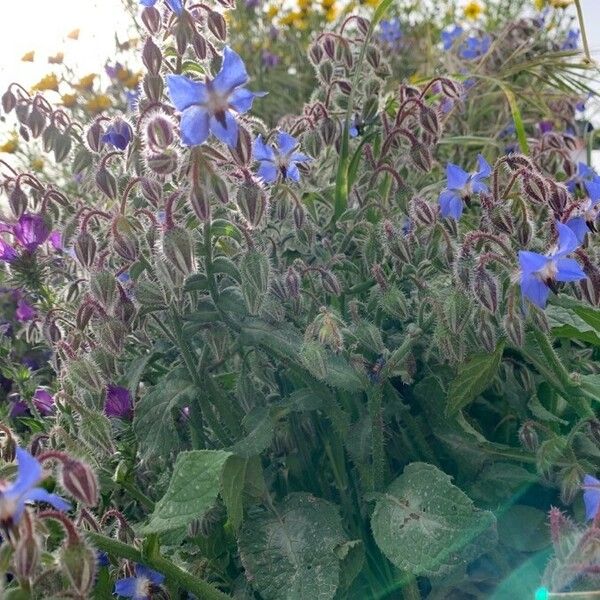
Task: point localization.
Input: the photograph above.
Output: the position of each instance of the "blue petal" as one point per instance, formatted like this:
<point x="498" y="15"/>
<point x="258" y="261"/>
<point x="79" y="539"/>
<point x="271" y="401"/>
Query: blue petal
<point x="478" y="186"/>
<point x="286" y="143"/>
<point x="567" y="240"/>
<point x="147" y="2"/>
<point x="299" y="157"/>
<point x="227" y="132"/>
<point x="457" y="178"/>
<point x="232" y="74"/>
<point x="584" y="171"/>
<point x="578" y="226"/>
<point x="451" y="204"/>
<point x="593" y="190"/>
<point x="194" y="125"/>
<point x="292" y="172"/>
<point x="30" y="472"/>
<point x="126" y="587"/>
<point x="534" y="290"/>
<point x="241" y="100"/>
<point x="262" y="151"/>
<point x="154" y="576"/>
<point x="41" y="495"/>
<point x="571" y="185"/>
<point x="591" y="497"/>
<point x="184" y="91"/>
<point x="569" y="270"/>
<point x="484" y="168"/>
<point x="353" y="131"/>
<point x="531" y="262"/>
<point x="267" y="171"/>
<point x="176" y="6"/>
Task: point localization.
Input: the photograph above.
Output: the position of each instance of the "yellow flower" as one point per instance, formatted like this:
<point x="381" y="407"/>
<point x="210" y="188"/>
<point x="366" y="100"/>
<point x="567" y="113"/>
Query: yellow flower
<point x="132" y="81"/>
<point x="561" y="3"/>
<point x="327" y="4"/>
<point x="539" y="4"/>
<point x="37" y="164"/>
<point x="57" y="59"/>
<point x="69" y="100"/>
<point x="473" y="10"/>
<point x="48" y="82"/>
<point x="293" y="19"/>
<point x="28" y="56"/>
<point x="331" y="14"/>
<point x="371" y="3"/>
<point x="272" y="11"/>
<point x="86" y="83"/>
<point x="11" y="145"/>
<point x="304" y="4"/>
<point x="97" y="103"/>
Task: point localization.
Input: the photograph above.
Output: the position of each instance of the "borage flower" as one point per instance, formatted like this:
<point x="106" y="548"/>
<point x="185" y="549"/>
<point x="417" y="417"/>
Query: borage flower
<point x="278" y="160"/>
<point x="591" y="496"/>
<point x="461" y="186"/>
<point x="118" y="134"/>
<point x="14" y="496"/>
<point x="175" y="5"/>
<point x="582" y="180"/>
<point x="141" y="586"/>
<point x="449" y="36"/>
<point x="390" y="32"/>
<point x="587" y="212"/>
<point x="211" y="107"/>
<point x="539" y="272"/>
<point x="475" y="47"/>
<point x="31" y="231"/>
<point x="118" y="402"/>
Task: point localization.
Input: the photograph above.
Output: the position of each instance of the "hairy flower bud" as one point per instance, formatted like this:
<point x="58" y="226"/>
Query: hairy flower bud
<point x="373" y="56"/>
<point x="315" y="54"/>
<point x="79" y="479"/>
<point x="153" y="87"/>
<point x="422" y="212"/>
<point x="329" y="131"/>
<point x="242" y="153"/>
<point x="36" y="121"/>
<point x="594" y="430"/>
<point x="292" y="283"/>
<point x="485" y="289"/>
<point x="152" y="57"/>
<point x="151" y="190"/>
<point x="299" y="215"/>
<point x="200" y="201"/>
<point x="486" y="334"/>
<point x="159" y="132"/>
<point x="17" y="200"/>
<point x="570" y="483"/>
<point x="421" y="156"/>
<point x="124" y="240"/>
<point x="106" y="182"/>
<point x="217" y="25"/>
<point x="330" y="282"/>
<point x="78" y="562"/>
<point x="255" y="271"/>
<point x="178" y="248"/>
<point x="514" y="328"/>
<point x="84" y="313"/>
<point x="252" y="202"/>
<point x="429" y="121"/>
<point x="451" y="89"/>
<point x="200" y="46"/>
<point x="27" y="555"/>
<point x="558" y="197"/>
<point x="94" y="136"/>
<point x="535" y="187"/>
<point x="9" y="101"/>
<point x="62" y="146"/>
<point x="163" y="163"/>
<point x="152" y="20"/>
<point x="85" y="249"/>
<point x="528" y="436"/>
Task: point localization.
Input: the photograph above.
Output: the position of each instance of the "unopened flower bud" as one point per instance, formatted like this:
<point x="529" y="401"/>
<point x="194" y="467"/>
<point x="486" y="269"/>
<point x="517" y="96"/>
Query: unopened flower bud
<point x="524" y="231"/>
<point x="94" y="136"/>
<point x="51" y="330"/>
<point x="124" y="240"/>
<point x="485" y="289"/>
<point x="153" y="87"/>
<point x="558" y="196"/>
<point x="528" y="436"/>
<point x="200" y="46"/>
<point x="422" y="212"/>
<point x="570" y="483"/>
<point x="163" y="163"/>
<point x="84" y="314"/>
<point x="219" y="188"/>
<point x="315" y="54"/>
<point x="242" y="153"/>
<point x="594" y="429"/>
<point x="152" y="20"/>
<point x="152" y="57"/>
<point x="106" y="182"/>
<point x="17" y="199"/>
<point x="451" y="89"/>
<point x="325" y="72"/>
<point x="535" y="187"/>
<point x="36" y="121"/>
<point x="159" y="130"/>
<point x="329" y="131"/>
<point x="292" y="283"/>
<point x="514" y="328"/>
<point x="183" y="34"/>
<point x="362" y="24"/>
<point x="373" y="56"/>
<point x="252" y="202"/>
<point x="255" y="272"/>
<point x="85" y="248"/>
<point x="217" y="25"/>
<point x="78" y="562"/>
<point x="27" y="555"/>
<point x="486" y="334"/>
<point x="429" y="121"/>
<point x="330" y="282"/>
<point x="9" y="101"/>
<point x="299" y="215"/>
<point x="62" y="146"/>
<point x="79" y="480"/>
<point x="151" y="190"/>
<point x="22" y="112"/>
<point x="421" y="156"/>
<point x="200" y="201"/>
<point x="178" y="248"/>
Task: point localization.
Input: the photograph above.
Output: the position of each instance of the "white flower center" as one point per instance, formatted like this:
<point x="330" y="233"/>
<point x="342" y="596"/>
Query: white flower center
<point x="142" y="587"/>
<point x="548" y="271"/>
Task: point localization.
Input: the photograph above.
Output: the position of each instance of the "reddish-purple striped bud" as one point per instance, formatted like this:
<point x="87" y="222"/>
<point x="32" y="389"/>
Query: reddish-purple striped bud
<point x="485" y="289"/>
<point x="159" y="132"/>
<point x="292" y="283"/>
<point x="79" y="479"/>
<point x="152" y="57"/>
<point x="94" y="136"/>
<point x="85" y="248"/>
<point x="217" y="25"/>
<point x="252" y="202"/>
<point x="163" y="163"/>
<point x="152" y="20"/>
<point x="528" y="436"/>
<point x="9" y="101"/>
<point x="106" y="182"/>
<point x="17" y="199"/>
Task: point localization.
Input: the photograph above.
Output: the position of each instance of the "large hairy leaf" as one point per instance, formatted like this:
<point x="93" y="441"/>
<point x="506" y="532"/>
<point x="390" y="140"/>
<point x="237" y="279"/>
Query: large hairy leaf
<point x="290" y="553"/>
<point x="426" y="525"/>
<point x="474" y="377"/>
<point x="193" y="488"/>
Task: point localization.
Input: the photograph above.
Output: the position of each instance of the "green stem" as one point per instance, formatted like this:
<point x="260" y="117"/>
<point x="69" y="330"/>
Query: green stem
<point x="137" y="494"/>
<point x="174" y="574"/>
<point x="377" y="441"/>
<point x="586" y="46"/>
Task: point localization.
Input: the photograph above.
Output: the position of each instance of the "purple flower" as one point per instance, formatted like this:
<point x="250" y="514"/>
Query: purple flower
<point x="211" y="107"/>
<point x="118" y="134"/>
<point x="140" y="586"/>
<point x="14" y="497"/>
<point x="461" y="186"/>
<point x="175" y="5"/>
<point x="118" y="402"/>
<point x="113" y="71"/>
<point x="475" y="47"/>
<point x="31" y="231"/>
<point x="278" y="160"/>
<point x="390" y="32"/>
<point x="545" y="126"/>
<point x="24" y="312"/>
<point x="55" y="239"/>
<point x="540" y="272"/>
<point x="591" y="496"/>
<point x="449" y="36"/>
<point x="269" y="59"/>
<point x="42" y="400"/>
<point x="7" y="252"/>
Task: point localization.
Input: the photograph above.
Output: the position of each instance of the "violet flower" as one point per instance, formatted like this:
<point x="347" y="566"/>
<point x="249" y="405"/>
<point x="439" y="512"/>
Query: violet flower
<point x="118" y="402"/>
<point x="42" y="400"/>
<point x="118" y="134"/>
<point x="24" y="311"/>
<point x="31" y="231"/>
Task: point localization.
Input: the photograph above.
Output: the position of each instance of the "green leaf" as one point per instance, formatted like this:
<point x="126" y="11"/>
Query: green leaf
<point x="352" y="557"/>
<point x="153" y="424"/>
<point x="232" y="489"/>
<point x="135" y="371"/>
<point x="474" y="377"/>
<point x="426" y="525"/>
<point x="290" y="553"/>
<point x="516" y="115"/>
<point x="259" y="427"/>
<point x="568" y="324"/>
<point x="193" y="488"/>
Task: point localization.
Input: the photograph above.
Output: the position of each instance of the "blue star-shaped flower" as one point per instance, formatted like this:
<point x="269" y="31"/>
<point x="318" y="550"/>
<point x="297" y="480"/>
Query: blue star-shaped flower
<point x="140" y="586"/>
<point x="175" y="5"/>
<point x="449" y="36"/>
<point x="390" y="32"/>
<point x="539" y="272"/>
<point x="23" y="490"/>
<point x="118" y="134"/>
<point x="591" y="496"/>
<point x="211" y="107"/>
<point x="587" y="212"/>
<point x="475" y="47"/>
<point x="582" y="180"/>
<point x="277" y="160"/>
<point x="461" y="185"/>
<point x="572" y="41"/>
